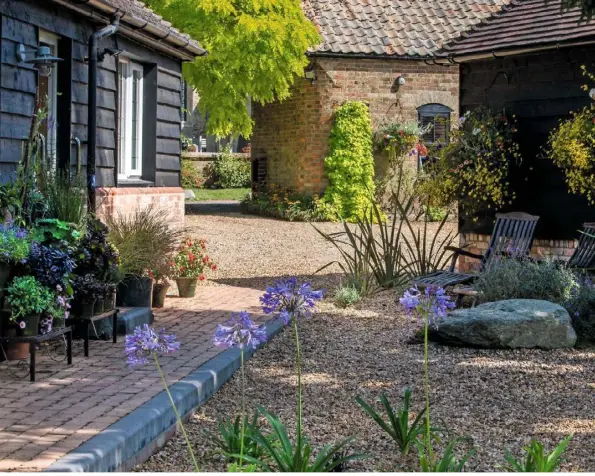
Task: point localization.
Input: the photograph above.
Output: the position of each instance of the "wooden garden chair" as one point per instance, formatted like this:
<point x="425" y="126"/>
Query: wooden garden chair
<point x="512" y="236"/>
<point x="584" y="254"/>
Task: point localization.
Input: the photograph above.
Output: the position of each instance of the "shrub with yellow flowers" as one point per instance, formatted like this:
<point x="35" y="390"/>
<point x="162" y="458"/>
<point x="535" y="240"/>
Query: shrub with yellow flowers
<point x="474" y="167"/>
<point x="571" y="146"/>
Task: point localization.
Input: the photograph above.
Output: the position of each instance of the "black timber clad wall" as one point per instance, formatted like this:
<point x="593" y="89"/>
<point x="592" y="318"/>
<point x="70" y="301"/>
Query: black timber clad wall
<point x="541" y="89"/>
<point x="162" y="101"/>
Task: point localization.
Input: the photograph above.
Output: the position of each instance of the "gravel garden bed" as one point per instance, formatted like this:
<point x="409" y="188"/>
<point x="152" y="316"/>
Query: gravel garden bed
<point x="500" y="399"/>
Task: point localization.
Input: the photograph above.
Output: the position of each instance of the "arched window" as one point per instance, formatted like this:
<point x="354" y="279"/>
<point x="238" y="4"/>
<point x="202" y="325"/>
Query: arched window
<point x="438" y="117"/>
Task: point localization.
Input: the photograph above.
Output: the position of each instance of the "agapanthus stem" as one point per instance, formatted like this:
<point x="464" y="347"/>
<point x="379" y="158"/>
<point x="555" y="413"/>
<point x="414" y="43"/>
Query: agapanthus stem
<point x="242" y="416"/>
<point x="427" y="388"/>
<point x="178" y="418"/>
<point x="299" y="377"/>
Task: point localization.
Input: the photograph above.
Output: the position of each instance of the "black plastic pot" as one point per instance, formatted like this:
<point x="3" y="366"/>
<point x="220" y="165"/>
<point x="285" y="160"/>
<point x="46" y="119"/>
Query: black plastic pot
<point x="135" y="292"/>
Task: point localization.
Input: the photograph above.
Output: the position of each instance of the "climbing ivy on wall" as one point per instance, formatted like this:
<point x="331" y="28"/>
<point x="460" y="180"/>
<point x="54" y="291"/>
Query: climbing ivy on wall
<point x="350" y="165"/>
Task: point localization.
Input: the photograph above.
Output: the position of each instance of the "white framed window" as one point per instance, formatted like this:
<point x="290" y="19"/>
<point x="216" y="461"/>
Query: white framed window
<point x="131" y="119"/>
<point x="48" y="93"/>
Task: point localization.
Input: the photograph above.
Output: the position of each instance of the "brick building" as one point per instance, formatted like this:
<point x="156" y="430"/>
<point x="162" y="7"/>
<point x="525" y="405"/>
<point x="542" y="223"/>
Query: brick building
<point x="366" y="47"/>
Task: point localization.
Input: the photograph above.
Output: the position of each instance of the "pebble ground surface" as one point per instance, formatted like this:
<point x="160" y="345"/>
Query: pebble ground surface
<point x="498" y="399"/>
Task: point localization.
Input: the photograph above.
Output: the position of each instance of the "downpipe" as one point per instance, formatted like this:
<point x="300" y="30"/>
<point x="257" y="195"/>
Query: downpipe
<point x="93" y="54"/>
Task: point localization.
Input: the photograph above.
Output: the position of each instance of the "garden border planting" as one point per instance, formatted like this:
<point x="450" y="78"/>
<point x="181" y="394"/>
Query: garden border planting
<point x="136" y="436"/>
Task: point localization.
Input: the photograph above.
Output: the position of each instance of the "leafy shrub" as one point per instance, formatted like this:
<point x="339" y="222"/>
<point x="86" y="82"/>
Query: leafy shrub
<point x="571" y="146"/>
<point x="26" y="296"/>
<point x="524" y="278"/>
<point x="397" y="425"/>
<point x="230" y="171"/>
<point x="350" y="165"/>
<point x="14" y="244"/>
<point x="347" y="295"/>
<point x="190" y="176"/>
<point x="51" y="231"/>
<point x="536" y="460"/>
<point x="143" y="240"/>
<point x="582" y="309"/>
<point x="474" y="167"/>
<point x="286" y="204"/>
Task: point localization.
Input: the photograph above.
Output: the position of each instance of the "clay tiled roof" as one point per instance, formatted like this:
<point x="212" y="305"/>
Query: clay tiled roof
<point x="141" y="19"/>
<point x="524" y="24"/>
<point x="400" y="28"/>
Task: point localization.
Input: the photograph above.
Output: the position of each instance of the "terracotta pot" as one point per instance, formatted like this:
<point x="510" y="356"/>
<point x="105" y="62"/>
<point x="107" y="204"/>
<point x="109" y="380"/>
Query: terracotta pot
<point x="159" y="293"/>
<point x="135" y="292"/>
<point x="186" y="287"/>
<point x="15" y="350"/>
<point x="98" y="307"/>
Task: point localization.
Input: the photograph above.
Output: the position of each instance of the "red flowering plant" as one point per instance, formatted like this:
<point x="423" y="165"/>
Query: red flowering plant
<point x="192" y="260"/>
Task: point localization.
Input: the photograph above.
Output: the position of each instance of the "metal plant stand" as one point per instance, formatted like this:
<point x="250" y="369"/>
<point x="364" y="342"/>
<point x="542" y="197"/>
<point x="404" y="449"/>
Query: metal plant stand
<point x="86" y="322"/>
<point x="34" y="342"/>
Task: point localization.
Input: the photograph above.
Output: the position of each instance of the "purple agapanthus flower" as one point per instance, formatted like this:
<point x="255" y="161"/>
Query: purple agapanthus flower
<point x="432" y="304"/>
<point x="288" y="298"/>
<point x="240" y="331"/>
<point x="146" y="340"/>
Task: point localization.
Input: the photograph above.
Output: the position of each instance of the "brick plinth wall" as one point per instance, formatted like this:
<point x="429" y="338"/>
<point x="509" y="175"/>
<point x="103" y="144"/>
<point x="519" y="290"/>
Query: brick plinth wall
<point x="124" y="201"/>
<point x="556" y="249"/>
<point x="293" y="135"/>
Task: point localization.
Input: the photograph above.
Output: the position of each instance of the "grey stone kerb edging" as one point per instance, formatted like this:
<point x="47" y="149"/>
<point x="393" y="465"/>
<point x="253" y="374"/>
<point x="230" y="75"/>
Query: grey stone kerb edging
<point x="133" y="438"/>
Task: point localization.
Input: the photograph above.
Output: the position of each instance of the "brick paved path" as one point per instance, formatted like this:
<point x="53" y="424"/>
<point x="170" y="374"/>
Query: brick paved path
<point x="42" y="421"/>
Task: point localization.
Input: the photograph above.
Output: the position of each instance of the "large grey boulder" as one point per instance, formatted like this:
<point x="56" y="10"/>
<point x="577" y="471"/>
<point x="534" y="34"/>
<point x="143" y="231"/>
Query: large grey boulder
<point x="189" y="194"/>
<point x="510" y="324"/>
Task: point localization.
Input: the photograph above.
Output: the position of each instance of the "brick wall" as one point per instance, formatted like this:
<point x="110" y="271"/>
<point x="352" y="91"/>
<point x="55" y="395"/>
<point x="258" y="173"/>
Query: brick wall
<point x="126" y="200"/>
<point x="556" y="249"/>
<point x="293" y="134"/>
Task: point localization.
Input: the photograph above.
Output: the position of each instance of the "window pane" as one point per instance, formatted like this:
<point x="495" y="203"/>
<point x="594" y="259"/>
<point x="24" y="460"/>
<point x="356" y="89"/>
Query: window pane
<point x="136" y="78"/>
<point x="122" y="119"/>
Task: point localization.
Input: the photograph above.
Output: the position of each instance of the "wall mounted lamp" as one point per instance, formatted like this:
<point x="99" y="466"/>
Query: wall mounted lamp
<point x="42" y="60"/>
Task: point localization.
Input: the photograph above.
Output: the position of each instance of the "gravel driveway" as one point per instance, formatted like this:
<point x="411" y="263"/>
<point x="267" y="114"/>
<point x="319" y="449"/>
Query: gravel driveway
<point x="251" y="251"/>
<point x="499" y="399"/>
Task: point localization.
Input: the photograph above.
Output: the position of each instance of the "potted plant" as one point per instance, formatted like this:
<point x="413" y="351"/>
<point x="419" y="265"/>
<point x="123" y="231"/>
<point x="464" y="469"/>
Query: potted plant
<point x="27" y="298"/>
<point x="96" y="256"/>
<point x="190" y="264"/>
<point x="14" y="248"/>
<point x="87" y="290"/>
<point x="161" y="275"/>
<point x="55" y="314"/>
<point x="142" y="239"/>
